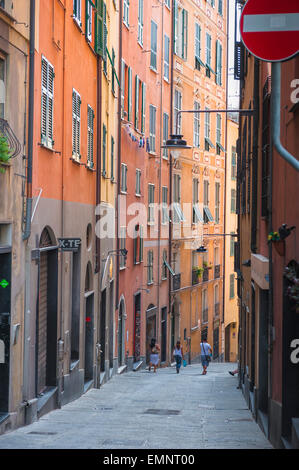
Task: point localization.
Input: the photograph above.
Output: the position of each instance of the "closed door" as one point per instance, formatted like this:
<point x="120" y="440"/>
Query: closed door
<point x="42" y="324"/>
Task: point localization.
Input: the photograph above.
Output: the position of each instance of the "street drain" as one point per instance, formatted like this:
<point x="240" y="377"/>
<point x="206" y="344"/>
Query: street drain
<point x="43" y="433"/>
<point x="161" y="412"/>
<point x="238" y="420"/>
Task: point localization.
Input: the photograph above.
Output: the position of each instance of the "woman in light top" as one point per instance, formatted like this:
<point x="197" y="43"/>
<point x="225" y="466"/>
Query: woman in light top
<point x="154" y="356"/>
<point x="178" y="356"/>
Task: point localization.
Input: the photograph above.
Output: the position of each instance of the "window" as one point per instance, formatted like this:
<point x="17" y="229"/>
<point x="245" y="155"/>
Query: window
<point x="234" y="163"/>
<point x="141" y="243"/>
<point x="47" y="102"/>
<point x="165" y="215"/>
<point x="218" y="134"/>
<point x="151" y="204"/>
<point x="104" y="151"/>
<point x="88" y="19"/>
<point x="77" y="11"/>
<point x="217" y="203"/>
<point x="177" y="107"/>
<point x="126" y="12"/>
<point x="129" y="100"/>
<point x="207" y="213"/>
<point x="164" y="266"/>
<point x="138" y="244"/>
<point x="152" y="131"/>
<point x="220" y="7"/>
<point x="150" y="267"/>
<point x="196" y="128"/>
<point x="140" y="22"/>
<point x="211" y="2"/>
<point x="208" y="55"/>
<point x="122" y="259"/>
<point x="76" y="125"/>
<point x="167" y="3"/>
<point x="180" y="31"/>
<point x="138" y="183"/>
<point x="231" y="286"/>
<point x="208" y="142"/>
<point x="178" y="213"/>
<point x="139" y="117"/>
<point x="2" y="88"/>
<point x="105" y="33"/>
<point x="198" y="61"/>
<point x="205" y="310"/>
<point x="218" y="76"/>
<point x="112" y="159"/>
<point x="136" y="118"/>
<point x="123" y="180"/>
<point x="166" y="57"/>
<point x="196" y="214"/>
<point x="126" y="91"/>
<point x="232" y="245"/>
<point x="165" y="133"/>
<point x="90" y="134"/>
<point x="154" y="32"/>
<point x="113" y="72"/>
<point x="233" y="201"/>
<point x="143" y="108"/>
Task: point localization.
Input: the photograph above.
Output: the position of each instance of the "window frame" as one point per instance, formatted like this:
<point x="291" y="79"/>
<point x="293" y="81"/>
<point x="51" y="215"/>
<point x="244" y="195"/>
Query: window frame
<point x="76" y="119"/>
<point x="90" y="136"/>
<point x="47" y="138"/>
<point x="154" y="46"/>
<point x="124" y="178"/>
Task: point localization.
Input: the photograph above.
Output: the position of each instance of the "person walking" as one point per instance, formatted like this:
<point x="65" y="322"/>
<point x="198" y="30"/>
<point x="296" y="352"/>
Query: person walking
<point x="154" y="355"/>
<point x="178" y="355"/>
<point x="206" y="351"/>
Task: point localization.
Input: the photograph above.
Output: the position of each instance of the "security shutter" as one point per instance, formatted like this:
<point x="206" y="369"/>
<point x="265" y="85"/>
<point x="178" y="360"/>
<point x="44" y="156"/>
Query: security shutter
<point x="42" y="322"/>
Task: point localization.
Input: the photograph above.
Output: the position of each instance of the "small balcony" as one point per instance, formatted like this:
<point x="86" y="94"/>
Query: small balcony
<point x="176" y="282"/>
<point x="217" y="309"/>
<point x="217" y="271"/>
<point x="195" y="277"/>
<point x="205" y="275"/>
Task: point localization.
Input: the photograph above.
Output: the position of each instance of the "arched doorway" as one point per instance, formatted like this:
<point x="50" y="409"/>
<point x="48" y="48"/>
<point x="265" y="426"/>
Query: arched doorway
<point x="121" y="331"/>
<point x="89" y="325"/>
<point x="46" y="319"/>
<point x="151" y="328"/>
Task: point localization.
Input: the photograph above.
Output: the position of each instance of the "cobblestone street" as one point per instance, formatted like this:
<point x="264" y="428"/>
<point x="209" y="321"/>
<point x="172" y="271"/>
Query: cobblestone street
<point x="142" y="410"/>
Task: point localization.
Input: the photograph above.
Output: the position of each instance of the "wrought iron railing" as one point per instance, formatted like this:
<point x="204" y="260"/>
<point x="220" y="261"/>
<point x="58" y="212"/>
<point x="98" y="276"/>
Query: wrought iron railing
<point x="205" y="275"/>
<point x="176" y="282"/>
<point x="11" y="139"/>
<point x="195" y="277"/>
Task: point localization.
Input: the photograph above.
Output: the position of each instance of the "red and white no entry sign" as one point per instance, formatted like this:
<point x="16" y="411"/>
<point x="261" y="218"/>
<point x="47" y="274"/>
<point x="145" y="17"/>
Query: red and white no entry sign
<point x="270" y="28"/>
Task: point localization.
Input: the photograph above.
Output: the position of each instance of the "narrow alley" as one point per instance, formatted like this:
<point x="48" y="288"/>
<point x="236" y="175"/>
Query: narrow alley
<point x="143" y="410"/>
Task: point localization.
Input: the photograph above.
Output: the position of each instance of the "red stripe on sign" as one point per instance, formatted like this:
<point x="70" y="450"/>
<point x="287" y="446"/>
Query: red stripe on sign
<point x="88" y="319"/>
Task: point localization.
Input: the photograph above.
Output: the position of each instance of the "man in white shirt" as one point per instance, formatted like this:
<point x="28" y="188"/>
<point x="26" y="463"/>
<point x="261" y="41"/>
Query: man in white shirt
<point x="206" y="352"/>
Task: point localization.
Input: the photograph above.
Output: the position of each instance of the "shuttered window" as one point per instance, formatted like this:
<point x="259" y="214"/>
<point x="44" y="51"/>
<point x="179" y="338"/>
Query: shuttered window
<point x="122" y="236"/>
<point x="77" y="11"/>
<point x="176" y="27"/>
<point x="208" y="55"/>
<point x="47" y="103"/>
<point x="151" y="202"/>
<point x="136" y="118"/>
<point x="150" y="267"/>
<point x="165" y="214"/>
<point x="154" y="32"/>
<point x="129" y="94"/>
<point x="126" y="12"/>
<point x="218" y="76"/>
<point x="104" y="151"/>
<point x="99" y="42"/>
<point x="217" y="203"/>
<point x="220" y="7"/>
<point x="166" y="56"/>
<point x="105" y="38"/>
<point x="88" y="20"/>
<point x="177" y="107"/>
<point x="196" y="214"/>
<point x="177" y="210"/>
<point x="165" y="133"/>
<point x="140" y="22"/>
<point x="234" y="163"/>
<point x="198" y="61"/>
<point x="231" y="286"/>
<point x="143" y="107"/>
<point x="196" y="130"/>
<point x="112" y="159"/>
<point x="152" y="132"/>
<point x="233" y="201"/>
<point x="90" y="136"/>
<point x="123" y="181"/>
<point x="76" y="124"/>
<point x="138" y="182"/>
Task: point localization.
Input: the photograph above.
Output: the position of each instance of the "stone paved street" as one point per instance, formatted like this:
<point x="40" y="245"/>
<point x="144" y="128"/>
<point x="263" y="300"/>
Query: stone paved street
<point x="142" y="410"/>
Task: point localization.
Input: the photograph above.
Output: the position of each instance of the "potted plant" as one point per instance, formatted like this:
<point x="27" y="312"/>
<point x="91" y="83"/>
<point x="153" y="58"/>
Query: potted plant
<point x="198" y="270"/>
<point x="5" y="153"/>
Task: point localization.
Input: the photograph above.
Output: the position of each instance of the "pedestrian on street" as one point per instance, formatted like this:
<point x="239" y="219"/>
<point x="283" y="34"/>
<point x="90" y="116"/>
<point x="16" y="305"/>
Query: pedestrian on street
<point x="233" y="372"/>
<point x="154" y="356"/>
<point x="178" y="356"/>
<point x="206" y="352"/>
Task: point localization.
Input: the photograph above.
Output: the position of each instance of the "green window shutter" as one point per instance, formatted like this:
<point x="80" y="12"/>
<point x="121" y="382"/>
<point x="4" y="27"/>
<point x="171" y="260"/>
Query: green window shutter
<point x="176" y="26"/>
<point x="136" y="120"/>
<point x="141" y="244"/>
<point x="99" y="29"/>
<point x="143" y="108"/>
<point x="184" y="34"/>
<point x="129" y="93"/>
<point x="112" y="158"/>
<point x="104" y="150"/>
<point x="154" y="29"/>
<point x="105" y="34"/>
<point x="113" y="71"/>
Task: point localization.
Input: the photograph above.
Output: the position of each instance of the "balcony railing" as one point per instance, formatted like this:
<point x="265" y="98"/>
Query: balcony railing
<point x="217" y="271"/>
<point x="217" y="309"/>
<point x="176" y="282"/>
<point x="205" y="275"/>
<point x="195" y="277"/>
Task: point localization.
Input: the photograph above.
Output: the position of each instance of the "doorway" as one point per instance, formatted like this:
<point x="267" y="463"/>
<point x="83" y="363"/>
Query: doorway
<point x="163" y="333"/>
<point x="137" y="326"/>
<point x="263" y="351"/>
<point x="151" y="328"/>
<point x="5" y="311"/>
<point x="121" y="332"/>
<point x="111" y="324"/>
<point x="216" y="343"/>
<point x="103" y="330"/>
<point x="89" y="326"/>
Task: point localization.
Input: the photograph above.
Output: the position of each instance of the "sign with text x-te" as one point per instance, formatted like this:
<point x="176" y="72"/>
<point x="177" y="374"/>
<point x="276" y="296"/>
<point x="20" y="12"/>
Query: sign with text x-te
<point x="270" y="29"/>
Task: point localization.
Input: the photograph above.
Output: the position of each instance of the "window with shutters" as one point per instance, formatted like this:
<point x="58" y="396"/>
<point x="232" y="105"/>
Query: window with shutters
<point x="123" y="178"/>
<point x="219" y="146"/>
<point x="126" y="7"/>
<point x="167" y="3"/>
<point x="154" y="38"/>
<point x="77" y="11"/>
<point x="143" y="107"/>
<point x="205" y="311"/>
<point x="211" y="2"/>
<point x="90" y="136"/>
<point x="138" y="182"/>
<point x="233" y="201"/>
<point x="196" y="213"/>
<point x="99" y="29"/>
<point x="165" y="133"/>
<point x="152" y="129"/>
<point x="150" y="267"/>
<point x="164" y="266"/>
<point x="122" y="236"/>
<point x="208" y="142"/>
<point x="126" y="91"/>
<point x="178" y="215"/>
<point x="209" y="69"/>
<point x="105" y="34"/>
<point x="113" y="72"/>
<point x="165" y="213"/>
<point x="151" y="204"/>
<point x="141" y="243"/>
<point x="139" y="116"/>
<point x="217" y="203"/>
<point x="88" y="20"/>
<point x="198" y="61"/>
<point x="231" y="286"/>
<point x="234" y="163"/>
<point x="76" y="125"/>
<point x="207" y="213"/>
<point x="220" y="7"/>
<point x="136" y="244"/>
<point x="218" y="76"/>
<point x="104" y="151"/>
<point x="177" y="122"/>
<point x="47" y="103"/>
<point x="196" y="125"/>
<point x="140" y="21"/>
<point x="112" y="159"/>
<point x="166" y="57"/>
<point x="180" y="31"/>
<point x="232" y="245"/>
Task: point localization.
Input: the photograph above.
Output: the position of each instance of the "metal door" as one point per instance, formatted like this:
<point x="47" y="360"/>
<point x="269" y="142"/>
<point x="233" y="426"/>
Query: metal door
<point x="42" y="323"/>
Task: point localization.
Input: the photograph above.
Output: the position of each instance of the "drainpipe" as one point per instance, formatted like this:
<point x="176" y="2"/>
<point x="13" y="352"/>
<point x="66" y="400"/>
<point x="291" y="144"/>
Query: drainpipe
<point x="27" y="231"/>
<point x="275" y="116"/>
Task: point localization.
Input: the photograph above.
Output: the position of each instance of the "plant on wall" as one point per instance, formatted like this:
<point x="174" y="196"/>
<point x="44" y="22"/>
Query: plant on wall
<point x="5" y="153"/>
